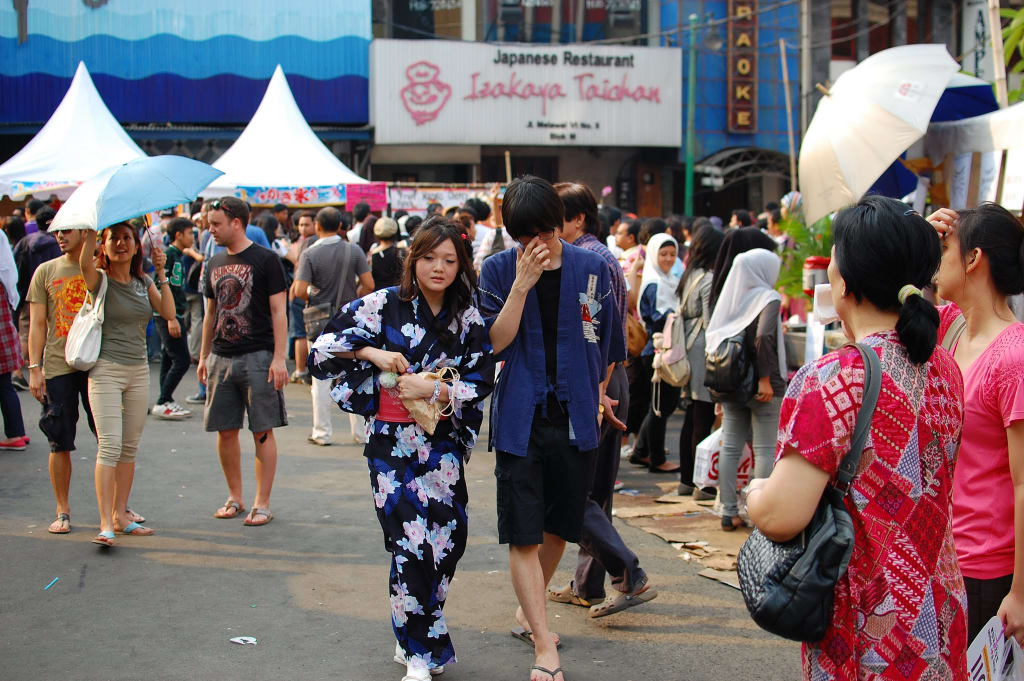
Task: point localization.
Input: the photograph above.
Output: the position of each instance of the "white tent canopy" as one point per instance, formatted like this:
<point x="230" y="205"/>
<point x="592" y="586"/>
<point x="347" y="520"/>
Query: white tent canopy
<point x="278" y="150"/>
<point x="992" y="132"/>
<point x="81" y="138"/>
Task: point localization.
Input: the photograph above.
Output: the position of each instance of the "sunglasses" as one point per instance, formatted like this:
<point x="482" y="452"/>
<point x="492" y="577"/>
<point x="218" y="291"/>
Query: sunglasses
<point x="218" y="204"/>
<point x="542" y="234"/>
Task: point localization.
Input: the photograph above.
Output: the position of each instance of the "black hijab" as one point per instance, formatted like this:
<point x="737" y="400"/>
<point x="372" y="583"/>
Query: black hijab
<point x="737" y="241"/>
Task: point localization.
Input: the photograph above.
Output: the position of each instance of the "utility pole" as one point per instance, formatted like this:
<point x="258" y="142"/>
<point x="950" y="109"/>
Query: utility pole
<point x="806" y="87"/>
<point x="691" y="116"/>
<point x="999" y="71"/>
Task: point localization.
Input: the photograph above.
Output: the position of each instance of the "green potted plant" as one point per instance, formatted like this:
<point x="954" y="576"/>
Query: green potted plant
<point x="805" y="241"/>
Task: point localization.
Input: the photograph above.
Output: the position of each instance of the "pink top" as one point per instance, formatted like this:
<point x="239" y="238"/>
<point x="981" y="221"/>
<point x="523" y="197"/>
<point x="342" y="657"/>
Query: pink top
<point x="982" y="487"/>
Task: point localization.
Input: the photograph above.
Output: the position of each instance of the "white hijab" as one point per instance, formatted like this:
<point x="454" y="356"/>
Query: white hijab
<point x="666" y="300"/>
<point x="749" y="287"/>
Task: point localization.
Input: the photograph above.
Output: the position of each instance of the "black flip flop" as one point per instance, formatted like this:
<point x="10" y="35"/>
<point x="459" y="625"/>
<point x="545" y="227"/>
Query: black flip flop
<point x="526" y="636"/>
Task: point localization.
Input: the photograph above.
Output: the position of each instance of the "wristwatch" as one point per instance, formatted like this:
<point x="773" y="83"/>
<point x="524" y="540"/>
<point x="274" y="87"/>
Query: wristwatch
<point x="34" y="366"/>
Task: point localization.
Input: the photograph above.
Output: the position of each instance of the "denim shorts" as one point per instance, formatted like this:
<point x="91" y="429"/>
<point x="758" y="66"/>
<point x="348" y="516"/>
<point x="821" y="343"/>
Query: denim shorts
<point x="296" y="327"/>
<point x="59" y="421"/>
<point x="544" y="491"/>
<point x="238" y="385"/>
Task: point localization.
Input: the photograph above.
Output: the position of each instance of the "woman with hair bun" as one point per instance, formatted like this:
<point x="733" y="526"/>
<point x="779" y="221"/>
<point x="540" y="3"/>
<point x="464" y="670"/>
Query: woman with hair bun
<point x="425" y="324"/>
<point x="982" y="264"/>
<point x="900" y="608"/>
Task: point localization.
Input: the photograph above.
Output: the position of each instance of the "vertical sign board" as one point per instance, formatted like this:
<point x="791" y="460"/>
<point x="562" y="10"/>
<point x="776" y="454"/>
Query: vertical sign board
<point x="742" y="83"/>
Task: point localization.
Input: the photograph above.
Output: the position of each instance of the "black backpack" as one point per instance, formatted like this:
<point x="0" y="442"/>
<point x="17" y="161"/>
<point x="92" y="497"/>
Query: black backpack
<point x="729" y="371"/>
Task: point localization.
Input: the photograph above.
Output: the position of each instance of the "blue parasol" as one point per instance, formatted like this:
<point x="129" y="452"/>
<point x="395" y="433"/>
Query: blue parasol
<point x="132" y="189"/>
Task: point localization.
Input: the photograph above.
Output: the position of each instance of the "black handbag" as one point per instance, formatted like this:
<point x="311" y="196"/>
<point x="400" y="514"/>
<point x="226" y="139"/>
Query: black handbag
<point x="789" y="588"/>
<point x="729" y="372"/>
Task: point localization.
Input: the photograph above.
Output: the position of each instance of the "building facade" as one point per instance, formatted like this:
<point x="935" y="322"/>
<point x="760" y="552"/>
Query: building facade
<point x="640" y="151"/>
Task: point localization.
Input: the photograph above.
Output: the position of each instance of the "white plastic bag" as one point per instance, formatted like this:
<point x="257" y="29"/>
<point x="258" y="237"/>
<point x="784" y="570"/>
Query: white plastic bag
<point x="705" y="465"/>
<point x="994" y="657"/>
<point x="83" y="344"/>
<point x="1013" y="661"/>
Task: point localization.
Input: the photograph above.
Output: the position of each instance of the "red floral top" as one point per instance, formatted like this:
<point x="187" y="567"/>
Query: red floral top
<point x="900" y="610"/>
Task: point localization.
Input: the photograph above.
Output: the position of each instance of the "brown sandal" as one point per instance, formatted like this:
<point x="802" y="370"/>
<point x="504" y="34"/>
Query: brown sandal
<point x="63" y="523"/>
<point x="569" y="596"/>
<point x="230" y="509"/>
<point x="265" y="513"/>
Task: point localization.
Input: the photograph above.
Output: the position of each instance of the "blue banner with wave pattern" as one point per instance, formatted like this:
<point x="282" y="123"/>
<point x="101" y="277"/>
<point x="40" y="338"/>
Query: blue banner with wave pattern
<point x="186" y="62"/>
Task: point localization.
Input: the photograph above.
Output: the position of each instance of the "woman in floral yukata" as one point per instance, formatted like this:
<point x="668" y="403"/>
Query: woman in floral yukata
<point x="426" y="323"/>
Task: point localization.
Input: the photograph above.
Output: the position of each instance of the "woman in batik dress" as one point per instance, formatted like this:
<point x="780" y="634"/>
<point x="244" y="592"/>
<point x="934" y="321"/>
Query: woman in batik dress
<point x="425" y="324"/>
<point x="900" y="609"/>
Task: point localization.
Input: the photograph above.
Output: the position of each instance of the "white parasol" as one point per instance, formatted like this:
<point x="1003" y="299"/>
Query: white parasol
<point x="872" y="114"/>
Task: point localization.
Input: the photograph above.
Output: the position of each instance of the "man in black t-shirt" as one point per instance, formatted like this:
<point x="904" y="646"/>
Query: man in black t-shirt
<point x="242" y="360"/>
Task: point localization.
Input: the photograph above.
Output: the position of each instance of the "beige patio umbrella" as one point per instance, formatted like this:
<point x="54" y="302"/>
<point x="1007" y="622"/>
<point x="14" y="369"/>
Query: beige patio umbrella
<point x="872" y="114"/>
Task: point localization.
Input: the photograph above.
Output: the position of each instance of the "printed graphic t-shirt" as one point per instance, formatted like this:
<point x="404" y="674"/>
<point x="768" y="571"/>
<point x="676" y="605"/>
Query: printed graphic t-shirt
<point x="176" y="277"/>
<point x="242" y="285"/>
<point x="59" y="285"/>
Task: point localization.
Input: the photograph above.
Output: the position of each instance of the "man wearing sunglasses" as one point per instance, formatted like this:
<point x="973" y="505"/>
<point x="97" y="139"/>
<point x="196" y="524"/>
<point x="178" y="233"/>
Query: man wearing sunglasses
<point x="243" y="354"/>
<point x="556" y="328"/>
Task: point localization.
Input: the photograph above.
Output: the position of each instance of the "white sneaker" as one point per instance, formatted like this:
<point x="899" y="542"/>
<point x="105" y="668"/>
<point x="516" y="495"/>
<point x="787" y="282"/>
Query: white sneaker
<point x="183" y="410"/>
<point x="400" y="659"/>
<point x="168" y="412"/>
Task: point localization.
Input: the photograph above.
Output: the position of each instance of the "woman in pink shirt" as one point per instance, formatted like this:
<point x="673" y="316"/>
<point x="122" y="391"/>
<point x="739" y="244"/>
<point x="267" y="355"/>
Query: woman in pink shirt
<point x="983" y="263"/>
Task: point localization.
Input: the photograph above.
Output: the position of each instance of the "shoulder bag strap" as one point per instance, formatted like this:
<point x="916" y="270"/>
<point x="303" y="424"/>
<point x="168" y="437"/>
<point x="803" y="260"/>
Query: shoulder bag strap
<point x="345" y="267"/>
<point x="872" y="386"/>
<point x="695" y="331"/>
<point x="99" y="297"/>
<point x="953" y="333"/>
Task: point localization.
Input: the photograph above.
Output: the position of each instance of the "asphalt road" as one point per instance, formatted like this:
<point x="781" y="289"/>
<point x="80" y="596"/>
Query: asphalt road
<point x="311" y="587"/>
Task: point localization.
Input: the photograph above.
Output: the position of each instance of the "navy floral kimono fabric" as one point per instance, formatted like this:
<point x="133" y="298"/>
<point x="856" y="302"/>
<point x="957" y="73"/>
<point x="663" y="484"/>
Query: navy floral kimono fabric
<point x="418" y="485"/>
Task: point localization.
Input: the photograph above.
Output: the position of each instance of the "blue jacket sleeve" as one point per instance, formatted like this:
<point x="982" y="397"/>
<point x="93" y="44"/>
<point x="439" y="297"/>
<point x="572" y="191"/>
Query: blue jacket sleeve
<point x="492" y="292"/>
<point x="612" y="341"/>
<point x="653" y="320"/>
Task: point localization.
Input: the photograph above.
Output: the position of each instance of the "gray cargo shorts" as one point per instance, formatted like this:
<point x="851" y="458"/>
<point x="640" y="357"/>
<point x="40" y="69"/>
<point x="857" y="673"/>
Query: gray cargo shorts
<point x="238" y="384"/>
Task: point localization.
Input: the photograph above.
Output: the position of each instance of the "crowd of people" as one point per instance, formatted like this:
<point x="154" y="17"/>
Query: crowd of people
<point x="563" y="313"/>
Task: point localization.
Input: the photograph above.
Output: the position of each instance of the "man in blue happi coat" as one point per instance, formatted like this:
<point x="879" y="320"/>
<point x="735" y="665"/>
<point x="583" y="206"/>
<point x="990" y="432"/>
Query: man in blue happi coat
<point x="558" y="331"/>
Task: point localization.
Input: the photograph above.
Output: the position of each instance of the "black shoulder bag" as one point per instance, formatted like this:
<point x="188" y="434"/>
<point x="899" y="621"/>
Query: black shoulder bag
<point x="789" y="587"/>
<point x="729" y="373"/>
<point x="315" y="317"/>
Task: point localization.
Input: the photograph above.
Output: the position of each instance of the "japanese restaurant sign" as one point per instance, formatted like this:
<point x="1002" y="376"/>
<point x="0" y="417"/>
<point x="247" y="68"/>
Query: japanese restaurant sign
<point x="454" y="92"/>
<point x="742" y="58"/>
